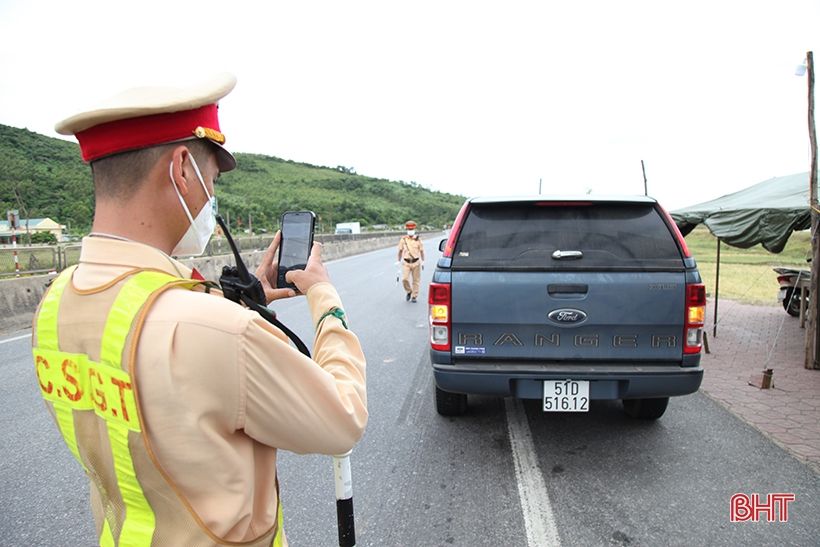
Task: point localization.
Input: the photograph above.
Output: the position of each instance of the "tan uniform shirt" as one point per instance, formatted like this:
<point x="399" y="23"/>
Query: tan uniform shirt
<point x="410" y="247"/>
<point x="222" y="390"/>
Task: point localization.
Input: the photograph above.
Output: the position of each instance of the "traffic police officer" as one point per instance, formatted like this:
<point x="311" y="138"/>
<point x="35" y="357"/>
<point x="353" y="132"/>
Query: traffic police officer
<point x="175" y="401"/>
<point x="411" y="257"/>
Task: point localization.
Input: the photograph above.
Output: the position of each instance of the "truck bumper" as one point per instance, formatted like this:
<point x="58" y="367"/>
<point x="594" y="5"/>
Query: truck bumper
<point x="605" y="381"/>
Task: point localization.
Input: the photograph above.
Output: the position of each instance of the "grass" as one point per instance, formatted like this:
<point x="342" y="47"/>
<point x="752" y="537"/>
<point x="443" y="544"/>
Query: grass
<point x="746" y="274"/>
<point x="30" y="258"/>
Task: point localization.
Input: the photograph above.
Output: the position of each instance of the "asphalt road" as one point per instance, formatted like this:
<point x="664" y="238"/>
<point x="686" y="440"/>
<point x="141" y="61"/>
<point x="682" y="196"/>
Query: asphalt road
<point x="504" y="474"/>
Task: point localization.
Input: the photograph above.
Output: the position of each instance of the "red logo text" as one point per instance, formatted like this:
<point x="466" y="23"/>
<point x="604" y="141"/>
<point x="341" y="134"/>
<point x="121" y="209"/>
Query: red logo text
<point x="774" y="508"/>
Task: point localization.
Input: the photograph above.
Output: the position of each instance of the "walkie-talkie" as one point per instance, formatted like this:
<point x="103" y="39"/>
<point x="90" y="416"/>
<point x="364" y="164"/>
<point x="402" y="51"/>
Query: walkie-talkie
<point x="241" y="286"/>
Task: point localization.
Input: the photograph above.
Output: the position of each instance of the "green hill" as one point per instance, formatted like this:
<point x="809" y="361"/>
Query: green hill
<point x="45" y="177"/>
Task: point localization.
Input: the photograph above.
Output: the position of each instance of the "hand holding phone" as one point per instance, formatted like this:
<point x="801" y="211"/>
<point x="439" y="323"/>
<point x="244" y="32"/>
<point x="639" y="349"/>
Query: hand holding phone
<point x="314" y="273"/>
<point x="266" y="272"/>
<point x="297" y="241"/>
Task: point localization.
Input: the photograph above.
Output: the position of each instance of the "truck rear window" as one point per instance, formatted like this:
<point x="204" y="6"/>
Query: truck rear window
<point x="534" y="236"/>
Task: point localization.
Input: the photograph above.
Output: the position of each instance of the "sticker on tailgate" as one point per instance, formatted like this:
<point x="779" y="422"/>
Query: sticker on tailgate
<point x="469" y="350"/>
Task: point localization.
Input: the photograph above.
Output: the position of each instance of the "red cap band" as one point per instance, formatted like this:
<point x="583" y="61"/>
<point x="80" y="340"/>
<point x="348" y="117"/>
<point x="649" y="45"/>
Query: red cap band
<point x="134" y="133"/>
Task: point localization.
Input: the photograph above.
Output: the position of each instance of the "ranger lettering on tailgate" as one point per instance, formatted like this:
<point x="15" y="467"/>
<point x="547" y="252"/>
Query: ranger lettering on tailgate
<point x="586" y="340"/>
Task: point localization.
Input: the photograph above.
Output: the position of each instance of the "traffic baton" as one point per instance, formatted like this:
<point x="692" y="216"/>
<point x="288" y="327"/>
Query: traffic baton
<point x="344" y="500"/>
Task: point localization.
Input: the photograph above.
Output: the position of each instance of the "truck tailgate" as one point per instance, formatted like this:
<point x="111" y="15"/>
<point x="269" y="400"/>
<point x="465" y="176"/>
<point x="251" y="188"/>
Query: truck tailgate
<point x="609" y="317"/>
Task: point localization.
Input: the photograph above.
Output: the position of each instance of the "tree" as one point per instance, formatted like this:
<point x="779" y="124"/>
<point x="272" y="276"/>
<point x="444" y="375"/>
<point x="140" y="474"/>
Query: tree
<point x="44" y="237"/>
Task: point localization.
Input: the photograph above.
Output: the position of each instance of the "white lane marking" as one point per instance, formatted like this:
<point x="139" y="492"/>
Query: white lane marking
<point x="15" y="338"/>
<point x="532" y="490"/>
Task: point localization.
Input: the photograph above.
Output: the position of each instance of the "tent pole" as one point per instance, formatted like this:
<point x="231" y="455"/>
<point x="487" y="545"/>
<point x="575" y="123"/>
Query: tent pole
<point x="717" y="288"/>
<point x="813" y="333"/>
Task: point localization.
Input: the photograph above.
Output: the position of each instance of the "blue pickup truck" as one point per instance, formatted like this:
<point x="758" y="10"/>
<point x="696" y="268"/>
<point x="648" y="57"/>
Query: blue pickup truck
<point x="566" y="300"/>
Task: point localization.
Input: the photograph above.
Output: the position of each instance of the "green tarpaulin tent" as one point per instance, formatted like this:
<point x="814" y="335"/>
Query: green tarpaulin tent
<point x="766" y="213"/>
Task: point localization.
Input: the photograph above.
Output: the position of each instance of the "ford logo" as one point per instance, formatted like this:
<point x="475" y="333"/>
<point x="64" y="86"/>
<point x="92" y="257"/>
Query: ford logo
<point x="567" y="317"/>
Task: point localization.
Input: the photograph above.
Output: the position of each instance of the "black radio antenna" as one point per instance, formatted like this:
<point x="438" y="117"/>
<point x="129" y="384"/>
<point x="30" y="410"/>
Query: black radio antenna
<point x="244" y="275"/>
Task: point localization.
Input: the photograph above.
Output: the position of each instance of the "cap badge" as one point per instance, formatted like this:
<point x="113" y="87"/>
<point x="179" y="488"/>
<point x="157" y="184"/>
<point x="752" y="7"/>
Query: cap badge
<point x="210" y="134"/>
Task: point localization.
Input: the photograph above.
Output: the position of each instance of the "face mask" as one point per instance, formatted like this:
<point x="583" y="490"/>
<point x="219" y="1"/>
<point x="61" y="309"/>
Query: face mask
<point x="195" y="239"/>
<point x="411" y="232"/>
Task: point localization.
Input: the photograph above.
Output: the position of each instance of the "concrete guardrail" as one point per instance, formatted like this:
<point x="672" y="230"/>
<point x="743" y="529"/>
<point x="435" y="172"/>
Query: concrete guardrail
<point x="19" y="297"/>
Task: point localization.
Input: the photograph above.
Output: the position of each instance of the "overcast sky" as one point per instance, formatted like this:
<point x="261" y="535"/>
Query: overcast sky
<point x="474" y="98"/>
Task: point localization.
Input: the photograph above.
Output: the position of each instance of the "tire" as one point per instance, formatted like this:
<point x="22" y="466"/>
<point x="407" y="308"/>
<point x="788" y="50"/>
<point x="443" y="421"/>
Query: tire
<point x="450" y="404"/>
<point x="792" y="305"/>
<point x="645" y="409"/>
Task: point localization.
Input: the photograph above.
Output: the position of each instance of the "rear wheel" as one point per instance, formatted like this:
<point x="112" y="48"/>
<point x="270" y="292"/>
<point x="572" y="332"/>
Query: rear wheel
<point x="450" y="404"/>
<point x="791" y="303"/>
<point x="646" y="409"/>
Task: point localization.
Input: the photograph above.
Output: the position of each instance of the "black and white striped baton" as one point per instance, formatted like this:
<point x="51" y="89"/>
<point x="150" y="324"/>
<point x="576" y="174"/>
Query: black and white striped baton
<point x="344" y="500"/>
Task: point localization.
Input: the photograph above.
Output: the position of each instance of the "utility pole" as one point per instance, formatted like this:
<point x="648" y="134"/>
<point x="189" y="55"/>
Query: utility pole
<point x="813" y="333"/>
<point x="22" y="207"/>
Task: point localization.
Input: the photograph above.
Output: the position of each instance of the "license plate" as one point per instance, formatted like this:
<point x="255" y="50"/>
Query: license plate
<point x="566" y="396"/>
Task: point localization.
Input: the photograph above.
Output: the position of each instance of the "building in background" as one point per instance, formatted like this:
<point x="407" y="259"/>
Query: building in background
<point x="33" y="226"/>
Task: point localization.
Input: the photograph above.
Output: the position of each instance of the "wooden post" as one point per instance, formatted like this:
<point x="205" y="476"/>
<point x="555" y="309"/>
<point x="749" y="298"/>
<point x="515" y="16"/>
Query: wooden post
<point x="813" y="333"/>
<point x="717" y="288"/>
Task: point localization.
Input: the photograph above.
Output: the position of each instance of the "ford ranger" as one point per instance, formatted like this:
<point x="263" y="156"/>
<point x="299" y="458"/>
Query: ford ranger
<point x="566" y="301"/>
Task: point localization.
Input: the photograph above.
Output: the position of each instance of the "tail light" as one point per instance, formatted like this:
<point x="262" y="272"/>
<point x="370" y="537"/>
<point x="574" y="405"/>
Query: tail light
<point x="439" y="300"/>
<point x="695" y="314"/>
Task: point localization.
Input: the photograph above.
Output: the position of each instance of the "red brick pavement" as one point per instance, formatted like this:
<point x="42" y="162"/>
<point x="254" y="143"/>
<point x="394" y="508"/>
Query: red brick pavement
<point x="749" y="339"/>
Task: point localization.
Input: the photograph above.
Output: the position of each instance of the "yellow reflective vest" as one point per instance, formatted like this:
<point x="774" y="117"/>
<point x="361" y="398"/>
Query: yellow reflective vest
<point x="96" y="407"/>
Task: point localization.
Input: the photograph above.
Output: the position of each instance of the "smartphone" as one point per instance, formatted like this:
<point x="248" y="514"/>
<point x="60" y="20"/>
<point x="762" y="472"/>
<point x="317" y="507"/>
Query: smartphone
<point x="294" y="248"/>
